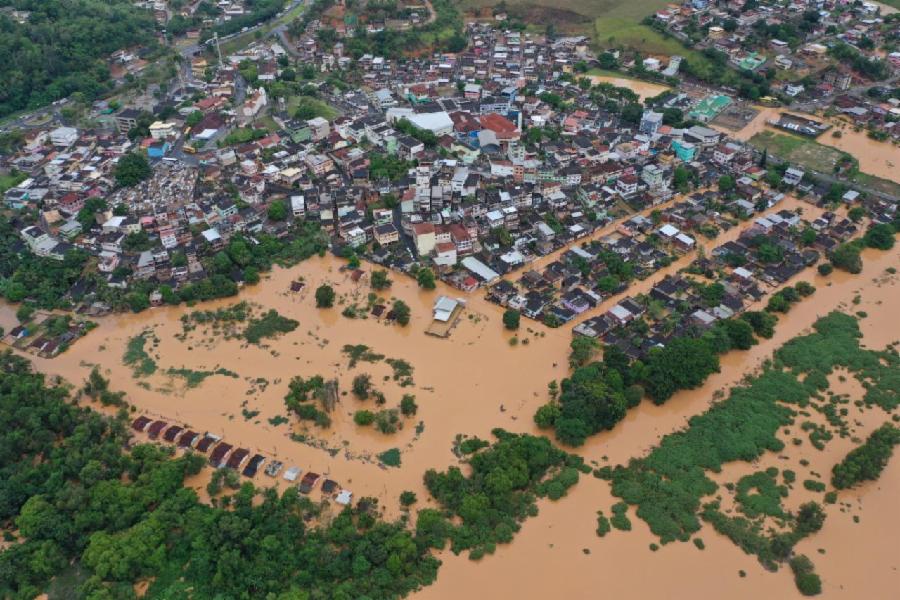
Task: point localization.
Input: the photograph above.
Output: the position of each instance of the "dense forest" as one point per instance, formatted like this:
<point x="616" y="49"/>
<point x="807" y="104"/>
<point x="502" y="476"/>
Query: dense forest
<point x="63" y="47"/>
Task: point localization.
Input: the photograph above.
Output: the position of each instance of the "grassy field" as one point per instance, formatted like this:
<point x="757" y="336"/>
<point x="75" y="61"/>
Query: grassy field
<point x="11" y="181"/>
<point x="320" y="108"/>
<point x="813" y="155"/>
<point x="802" y="151"/>
<point x="611" y="23"/>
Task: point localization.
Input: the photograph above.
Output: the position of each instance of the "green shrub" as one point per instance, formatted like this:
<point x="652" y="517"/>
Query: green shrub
<point x="363" y="417"/>
<point x="813" y="485"/>
<point x="390" y="458"/>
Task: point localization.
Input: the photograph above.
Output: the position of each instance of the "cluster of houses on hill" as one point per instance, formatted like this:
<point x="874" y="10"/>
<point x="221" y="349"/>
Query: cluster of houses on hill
<point x="475" y="164"/>
<point x="794" y="39"/>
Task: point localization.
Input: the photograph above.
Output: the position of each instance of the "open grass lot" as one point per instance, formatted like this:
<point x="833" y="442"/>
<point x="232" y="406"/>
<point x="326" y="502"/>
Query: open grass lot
<point x="802" y="151"/>
<point x="320" y="108"/>
<point x="813" y="155"/>
<point x="611" y="23"/>
<point x="11" y="181"/>
<point x="877" y="183"/>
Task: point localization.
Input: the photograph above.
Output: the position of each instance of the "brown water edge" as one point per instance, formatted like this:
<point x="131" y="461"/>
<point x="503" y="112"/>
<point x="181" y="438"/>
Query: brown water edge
<point x="463" y="384"/>
<point x="547" y="559"/>
<point x="881" y="159"/>
<point x="643" y="89"/>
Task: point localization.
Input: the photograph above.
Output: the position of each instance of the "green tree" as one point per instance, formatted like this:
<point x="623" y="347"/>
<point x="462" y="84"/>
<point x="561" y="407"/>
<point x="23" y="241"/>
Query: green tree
<point x="325" y="296"/>
<point x="511" y="319"/>
<point x="380" y="280"/>
<point x="278" y="211"/>
<point x="425" y="278"/>
<point x="408" y="406"/>
<point x="583" y="350"/>
<point x="867" y="461"/>
<point x="546" y="415"/>
<point x="847" y="257"/>
<point x="24" y="313"/>
<point x="880" y="236"/>
<point x="401" y="312"/>
<point x="726" y="183"/>
<point x="88" y="214"/>
<point x="131" y="169"/>
<point x="684" y="363"/>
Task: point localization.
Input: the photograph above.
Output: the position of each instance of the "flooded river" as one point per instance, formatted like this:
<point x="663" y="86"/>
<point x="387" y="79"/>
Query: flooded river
<point x="471" y="383"/>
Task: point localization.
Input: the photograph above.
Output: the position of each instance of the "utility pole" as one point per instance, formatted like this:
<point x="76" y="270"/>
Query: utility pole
<point x="218" y="50"/>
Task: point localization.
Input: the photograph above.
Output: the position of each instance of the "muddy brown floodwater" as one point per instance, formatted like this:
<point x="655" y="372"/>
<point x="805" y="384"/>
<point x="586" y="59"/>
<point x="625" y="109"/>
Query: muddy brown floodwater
<point x="881" y="159"/>
<point x="471" y="383"/>
<point x="643" y="89"/>
<point x="558" y="554"/>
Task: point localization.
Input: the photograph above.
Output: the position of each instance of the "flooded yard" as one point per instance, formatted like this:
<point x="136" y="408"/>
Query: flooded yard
<point x="644" y="89"/>
<point x="881" y="159"/>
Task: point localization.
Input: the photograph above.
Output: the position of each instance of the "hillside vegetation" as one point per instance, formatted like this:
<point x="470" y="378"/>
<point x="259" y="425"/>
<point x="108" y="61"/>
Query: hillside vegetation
<point x="63" y="47"/>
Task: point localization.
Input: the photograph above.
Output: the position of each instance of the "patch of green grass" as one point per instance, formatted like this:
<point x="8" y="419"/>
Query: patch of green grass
<point x="603" y="525"/>
<point x="612" y="32"/>
<point x="390" y="458"/>
<point x="316" y="106"/>
<point x="11" y="181"/>
<point x="137" y="358"/>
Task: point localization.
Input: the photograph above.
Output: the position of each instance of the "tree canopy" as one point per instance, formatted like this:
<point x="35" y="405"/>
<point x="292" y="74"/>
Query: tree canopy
<point x="74" y="494"/>
<point x="63" y="47"/>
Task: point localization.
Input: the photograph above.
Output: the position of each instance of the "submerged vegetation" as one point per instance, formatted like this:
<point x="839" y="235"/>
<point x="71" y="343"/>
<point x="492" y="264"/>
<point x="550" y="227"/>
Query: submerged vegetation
<point x="301" y="391"/>
<point x="136" y="357"/>
<point x="866" y="462"/>
<point x="269" y="325"/>
<point x="499" y="492"/>
<point x="71" y="493"/>
<point x="667" y="486"/>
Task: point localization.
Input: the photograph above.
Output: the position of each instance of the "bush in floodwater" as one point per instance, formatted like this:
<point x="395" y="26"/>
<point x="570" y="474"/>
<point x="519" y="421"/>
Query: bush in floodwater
<point x="805" y="577"/>
<point x="363" y="417"/>
<point x="390" y="458"/>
